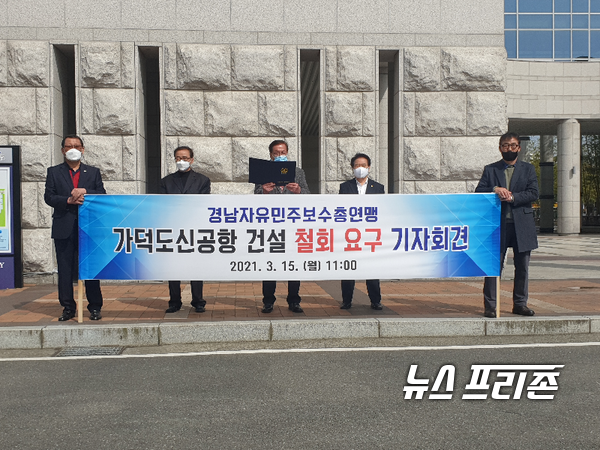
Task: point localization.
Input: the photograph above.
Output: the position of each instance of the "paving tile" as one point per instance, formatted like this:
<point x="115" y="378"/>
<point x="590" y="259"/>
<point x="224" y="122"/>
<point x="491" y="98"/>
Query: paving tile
<point x="229" y="300"/>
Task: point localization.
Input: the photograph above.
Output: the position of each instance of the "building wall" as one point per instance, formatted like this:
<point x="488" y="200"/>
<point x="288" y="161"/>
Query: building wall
<point x="230" y="84"/>
<point x="454" y="108"/>
<point x="553" y="90"/>
<point x="263" y="22"/>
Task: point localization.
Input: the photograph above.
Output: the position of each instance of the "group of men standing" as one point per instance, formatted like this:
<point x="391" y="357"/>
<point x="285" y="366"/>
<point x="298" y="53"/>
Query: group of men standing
<point x="513" y="181"/>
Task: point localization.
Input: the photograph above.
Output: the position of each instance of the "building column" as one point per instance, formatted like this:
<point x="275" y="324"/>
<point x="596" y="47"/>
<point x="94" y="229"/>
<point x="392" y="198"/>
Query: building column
<point x="546" y="184"/>
<point x="569" y="151"/>
<point x="525" y="153"/>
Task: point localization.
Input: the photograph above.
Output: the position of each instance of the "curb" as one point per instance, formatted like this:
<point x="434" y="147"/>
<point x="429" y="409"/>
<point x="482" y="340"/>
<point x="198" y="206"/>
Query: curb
<point x="140" y="335"/>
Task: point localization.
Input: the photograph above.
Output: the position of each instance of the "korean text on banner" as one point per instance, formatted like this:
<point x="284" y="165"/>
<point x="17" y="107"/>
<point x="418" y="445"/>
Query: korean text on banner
<point x="304" y="237"/>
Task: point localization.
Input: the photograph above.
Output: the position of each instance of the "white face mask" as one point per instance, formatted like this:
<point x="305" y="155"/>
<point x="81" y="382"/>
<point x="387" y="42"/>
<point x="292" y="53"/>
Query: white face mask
<point x="182" y="166"/>
<point x="361" y="172"/>
<point x="73" y="154"/>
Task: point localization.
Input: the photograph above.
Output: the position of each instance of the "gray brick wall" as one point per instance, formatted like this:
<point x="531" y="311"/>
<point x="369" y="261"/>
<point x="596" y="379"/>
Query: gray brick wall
<point x="230" y="85"/>
<point x="553" y="90"/>
<point x="401" y="23"/>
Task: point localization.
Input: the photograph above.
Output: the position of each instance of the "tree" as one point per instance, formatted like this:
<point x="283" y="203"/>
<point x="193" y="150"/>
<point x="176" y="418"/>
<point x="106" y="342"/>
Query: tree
<point x="534" y="157"/>
<point x="590" y="174"/>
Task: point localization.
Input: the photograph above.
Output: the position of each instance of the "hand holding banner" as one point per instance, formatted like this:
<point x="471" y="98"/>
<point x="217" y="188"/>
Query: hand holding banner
<point x="317" y="237"/>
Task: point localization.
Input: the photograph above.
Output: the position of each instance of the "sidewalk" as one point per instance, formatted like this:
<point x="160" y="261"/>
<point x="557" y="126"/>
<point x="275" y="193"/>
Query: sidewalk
<point x="565" y="285"/>
<point x="146" y="303"/>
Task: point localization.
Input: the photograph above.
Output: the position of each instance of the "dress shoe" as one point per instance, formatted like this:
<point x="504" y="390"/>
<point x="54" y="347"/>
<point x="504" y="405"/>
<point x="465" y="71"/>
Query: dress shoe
<point x="376" y="306"/>
<point x="66" y="315"/>
<point x="267" y="309"/>
<point x="523" y="311"/>
<point x="295" y="307"/>
<point x="490" y="313"/>
<point x="95" y="315"/>
<point x="199" y="309"/>
<point x="346" y="306"/>
<point x="173" y="309"/>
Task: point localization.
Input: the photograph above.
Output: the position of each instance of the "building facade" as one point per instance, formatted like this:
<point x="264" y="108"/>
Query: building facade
<point x="424" y="87"/>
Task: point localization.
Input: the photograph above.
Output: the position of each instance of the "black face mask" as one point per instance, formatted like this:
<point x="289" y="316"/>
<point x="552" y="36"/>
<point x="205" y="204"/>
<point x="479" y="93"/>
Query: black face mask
<point x="509" y="156"/>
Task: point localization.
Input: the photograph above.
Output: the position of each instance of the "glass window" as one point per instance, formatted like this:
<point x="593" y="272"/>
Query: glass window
<point x="580" y="21"/>
<point x="535" y="44"/>
<point x="510" y="21"/>
<point x="580" y="6"/>
<point x="580" y="44"/>
<point x="552" y="29"/>
<point x="562" y="44"/>
<point x="562" y="21"/>
<point x="562" y="5"/>
<point x="535" y="21"/>
<point x="510" y="42"/>
<point x="595" y="44"/>
<point x="535" y="6"/>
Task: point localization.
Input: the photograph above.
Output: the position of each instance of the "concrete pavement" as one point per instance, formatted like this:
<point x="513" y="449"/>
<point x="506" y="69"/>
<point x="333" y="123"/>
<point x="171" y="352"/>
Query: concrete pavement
<point x="564" y="292"/>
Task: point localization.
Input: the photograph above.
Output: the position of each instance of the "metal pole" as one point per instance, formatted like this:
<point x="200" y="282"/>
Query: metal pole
<point x="497" y="297"/>
<point x="80" y="301"/>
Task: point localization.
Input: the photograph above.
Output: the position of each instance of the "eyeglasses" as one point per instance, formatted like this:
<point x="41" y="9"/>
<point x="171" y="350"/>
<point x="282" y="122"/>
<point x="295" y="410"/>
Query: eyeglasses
<point x="182" y="158"/>
<point x="507" y="146"/>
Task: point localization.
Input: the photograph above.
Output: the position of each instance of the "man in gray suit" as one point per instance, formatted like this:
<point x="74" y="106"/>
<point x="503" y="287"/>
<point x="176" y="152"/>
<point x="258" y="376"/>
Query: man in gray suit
<point x="515" y="183"/>
<point x="185" y="181"/>
<point x="278" y="151"/>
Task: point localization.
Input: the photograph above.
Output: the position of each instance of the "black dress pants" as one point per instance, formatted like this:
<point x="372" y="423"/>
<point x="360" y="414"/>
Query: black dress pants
<point x="521" y="283"/>
<point x="269" y="287"/>
<point x="175" y="294"/>
<point x="373" y="289"/>
<point x="68" y="270"/>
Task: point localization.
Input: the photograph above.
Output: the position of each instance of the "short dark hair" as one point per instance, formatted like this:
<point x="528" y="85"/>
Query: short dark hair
<point x="278" y="142"/>
<point x="508" y="136"/>
<point x="71" y="136"/>
<point x="184" y="147"/>
<point x="360" y="155"/>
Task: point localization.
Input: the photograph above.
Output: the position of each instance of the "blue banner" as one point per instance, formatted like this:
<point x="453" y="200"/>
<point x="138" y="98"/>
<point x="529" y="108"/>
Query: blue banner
<point x="288" y="237"/>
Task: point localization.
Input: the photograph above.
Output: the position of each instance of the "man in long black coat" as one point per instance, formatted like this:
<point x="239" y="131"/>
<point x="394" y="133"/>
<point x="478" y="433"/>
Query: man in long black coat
<point x="515" y="183"/>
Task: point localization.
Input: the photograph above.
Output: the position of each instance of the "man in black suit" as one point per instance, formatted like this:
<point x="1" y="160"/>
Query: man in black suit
<point x="185" y="181"/>
<point x="66" y="186"/>
<point x="361" y="184"/>
<point x="515" y="183"/>
<point x="278" y="151"/>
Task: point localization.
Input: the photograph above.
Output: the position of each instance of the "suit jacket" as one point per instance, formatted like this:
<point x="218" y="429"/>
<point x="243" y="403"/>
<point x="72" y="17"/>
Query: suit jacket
<point x="196" y="183"/>
<point x="524" y="187"/>
<point x="300" y="179"/>
<point x="373" y="187"/>
<point x="58" y="189"/>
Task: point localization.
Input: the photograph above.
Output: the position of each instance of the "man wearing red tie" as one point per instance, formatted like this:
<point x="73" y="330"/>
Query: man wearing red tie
<point x="66" y="186"/>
